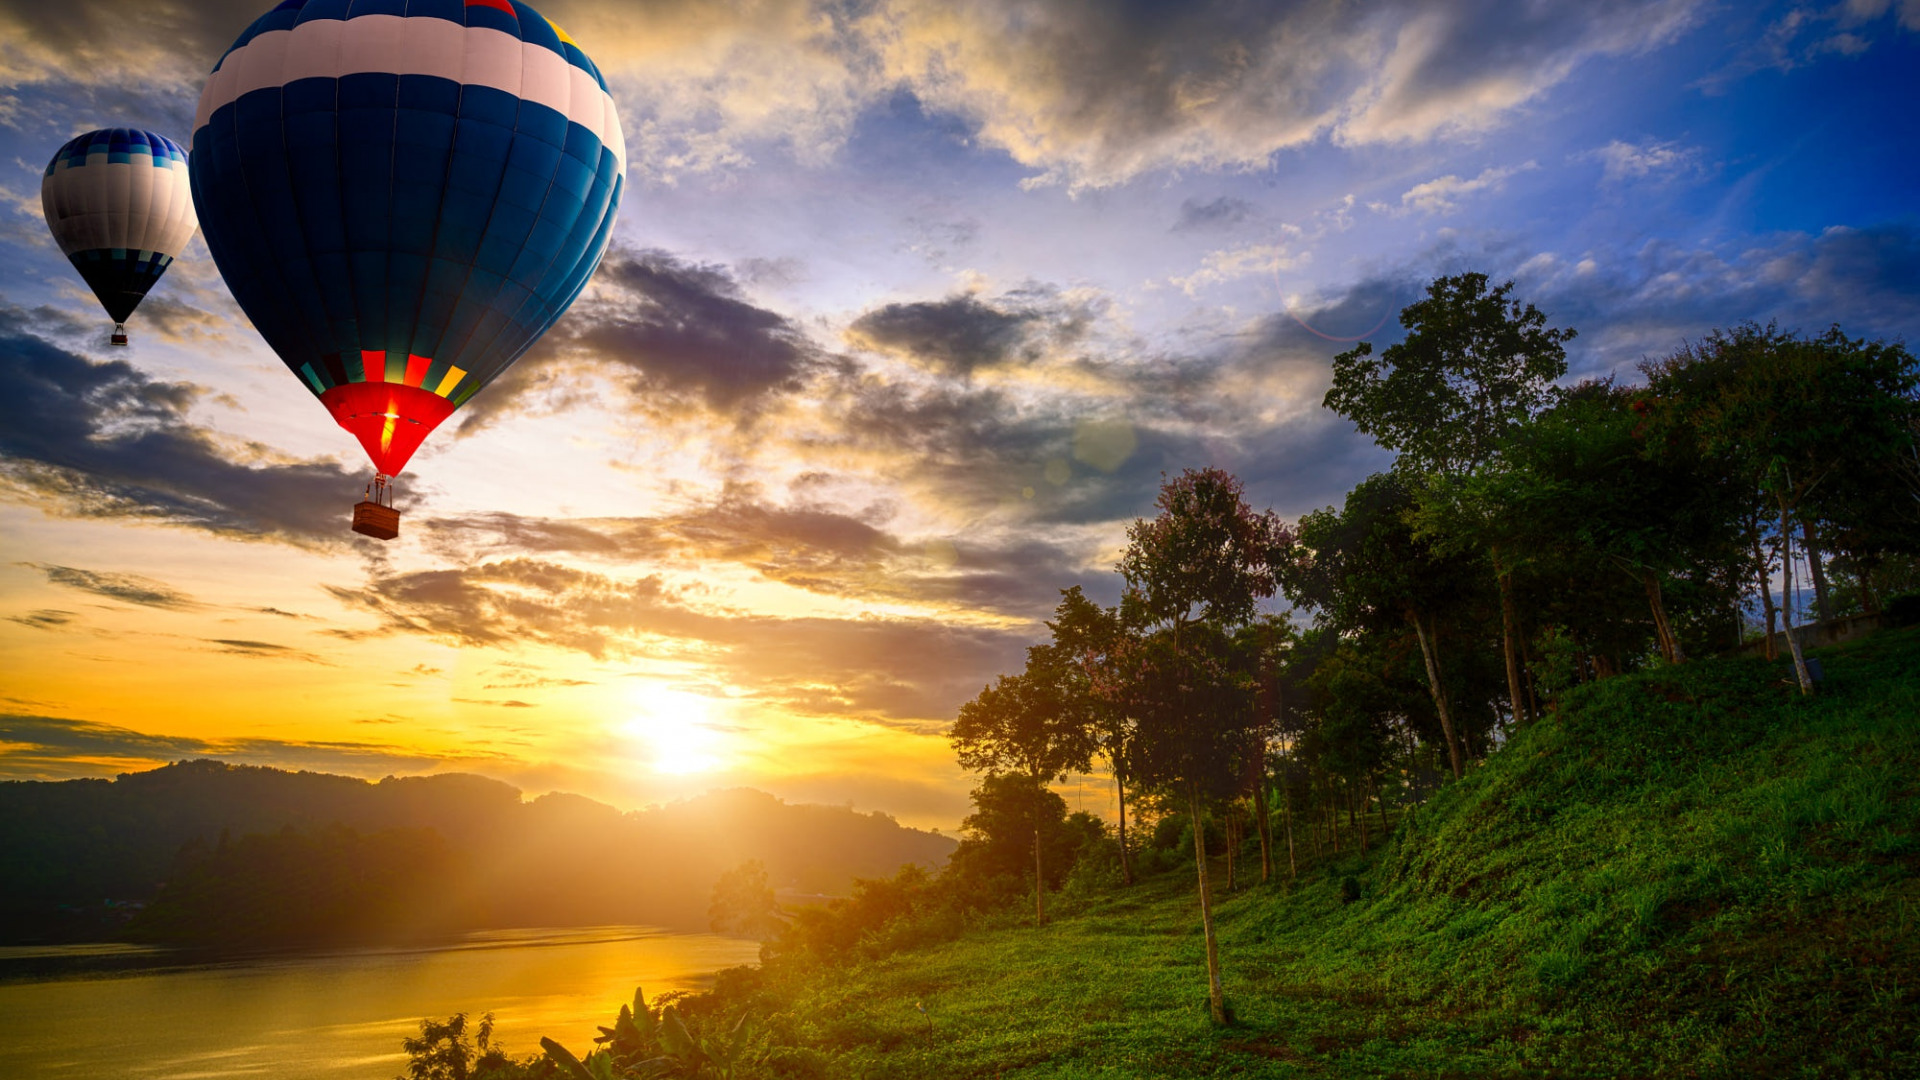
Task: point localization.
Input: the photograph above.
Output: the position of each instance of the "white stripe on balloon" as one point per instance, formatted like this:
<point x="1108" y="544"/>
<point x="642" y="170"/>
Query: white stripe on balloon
<point x="399" y="45"/>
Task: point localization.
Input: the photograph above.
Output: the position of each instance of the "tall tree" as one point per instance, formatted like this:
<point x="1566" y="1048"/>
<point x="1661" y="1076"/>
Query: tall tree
<point x="1798" y="415"/>
<point x="1021" y="724"/>
<point x="1475" y="365"/>
<point x="1194" y="573"/>
<point x="1363" y="568"/>
<point x="1592" y="481"/>
<point x="1086" y="640"/>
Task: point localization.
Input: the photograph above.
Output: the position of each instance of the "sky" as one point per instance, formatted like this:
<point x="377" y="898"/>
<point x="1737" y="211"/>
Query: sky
<point x="909" y="308"/>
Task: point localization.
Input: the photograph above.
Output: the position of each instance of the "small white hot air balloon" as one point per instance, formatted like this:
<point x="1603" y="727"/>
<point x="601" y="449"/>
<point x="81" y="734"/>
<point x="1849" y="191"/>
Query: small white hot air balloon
<point x="120" y="206"/>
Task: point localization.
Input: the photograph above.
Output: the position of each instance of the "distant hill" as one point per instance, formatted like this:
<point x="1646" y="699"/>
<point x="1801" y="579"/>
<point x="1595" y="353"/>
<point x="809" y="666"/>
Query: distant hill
<point x="75" y="853"/>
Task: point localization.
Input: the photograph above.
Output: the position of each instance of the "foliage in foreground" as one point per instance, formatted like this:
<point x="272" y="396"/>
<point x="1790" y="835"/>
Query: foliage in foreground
<point x="1692" y="871"/>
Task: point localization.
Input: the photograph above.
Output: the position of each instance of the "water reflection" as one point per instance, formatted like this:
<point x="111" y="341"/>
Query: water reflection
<point x="337" y="1016"/>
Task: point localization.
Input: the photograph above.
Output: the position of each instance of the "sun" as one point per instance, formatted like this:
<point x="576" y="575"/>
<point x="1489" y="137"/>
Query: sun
<point x="677" y="732"/>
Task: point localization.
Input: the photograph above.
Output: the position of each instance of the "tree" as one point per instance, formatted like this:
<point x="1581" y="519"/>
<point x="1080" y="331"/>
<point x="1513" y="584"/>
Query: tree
<point x="1085" y="639"/>
<point x="1364" y="568"/>
<point x="1193" y="573"/>
<point x="743" y="903"/>
<point x="1022" y="724"/>
<point x="1475" y="365"/>
<point x="1591" y="481"/>
<point x="997" y="838"/>
<point x="1796" y="416"/>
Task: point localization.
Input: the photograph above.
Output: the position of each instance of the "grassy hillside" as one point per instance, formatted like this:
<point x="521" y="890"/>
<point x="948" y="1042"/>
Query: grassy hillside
<point x="1687" y="872"/>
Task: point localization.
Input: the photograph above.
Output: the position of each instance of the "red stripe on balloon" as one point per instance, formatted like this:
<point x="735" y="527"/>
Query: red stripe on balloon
<point x="389" y="419"/>
<point x="498" y="5"/>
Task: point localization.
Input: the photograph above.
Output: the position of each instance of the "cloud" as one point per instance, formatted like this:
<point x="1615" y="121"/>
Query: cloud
<point x="1221" y="213"/>
<point x="146" y="46"/>
<point x="264" y="650"/>
<point x="1804" y="35"/>
<point x="961" y="334"/>
<point x="1240" y="262"/>
<point x="1092" y="95"/>
<point x="1623" y="161"/>
<point x="105" y="440"/>
<point x="1447" y="69"/>
<point x="1084" y="93"/>
<point x="46" y="747"/>
<point x="895" y="670"/>
<point x="673" y="331"/>
<point x="1644" y="301"/>
<point x="129" y="588"/>
<point x="44" y="618"/>
<point x="1442" y="195"/>
<point x="824" y="551"/>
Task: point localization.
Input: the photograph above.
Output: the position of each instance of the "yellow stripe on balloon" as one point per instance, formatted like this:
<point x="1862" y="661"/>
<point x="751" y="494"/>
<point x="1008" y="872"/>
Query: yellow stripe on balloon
<point x="450" y="380"/>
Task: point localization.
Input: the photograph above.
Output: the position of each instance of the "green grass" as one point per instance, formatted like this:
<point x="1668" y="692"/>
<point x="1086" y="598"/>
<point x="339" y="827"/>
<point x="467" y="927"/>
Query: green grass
<point x="1686" y="872"/>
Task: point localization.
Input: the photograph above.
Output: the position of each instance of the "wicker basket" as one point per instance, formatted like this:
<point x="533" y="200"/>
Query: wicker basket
<point x="379" y="522"/>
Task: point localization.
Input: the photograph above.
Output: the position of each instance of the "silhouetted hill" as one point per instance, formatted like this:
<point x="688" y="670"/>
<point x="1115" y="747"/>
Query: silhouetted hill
<point x="68" y="848"/>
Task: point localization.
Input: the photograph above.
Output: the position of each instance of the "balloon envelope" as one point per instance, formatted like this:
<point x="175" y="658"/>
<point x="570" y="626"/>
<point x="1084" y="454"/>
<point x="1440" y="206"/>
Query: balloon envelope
<point x="403" y="195"/>
<point x="119" y="206"/>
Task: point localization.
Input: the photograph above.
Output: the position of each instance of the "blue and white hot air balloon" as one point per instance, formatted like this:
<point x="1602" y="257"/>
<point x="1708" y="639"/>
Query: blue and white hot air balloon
<point x="119" y="205"/>
<point x="403" y="195"/>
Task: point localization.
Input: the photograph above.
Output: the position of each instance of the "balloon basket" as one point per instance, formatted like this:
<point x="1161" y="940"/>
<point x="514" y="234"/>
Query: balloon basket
<point x="375" y="515"/>
<point x="119" y="335"/>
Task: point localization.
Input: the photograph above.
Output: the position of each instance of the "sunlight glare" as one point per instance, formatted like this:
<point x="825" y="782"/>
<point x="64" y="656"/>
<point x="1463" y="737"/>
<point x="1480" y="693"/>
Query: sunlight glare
<point x="677" y="732"/>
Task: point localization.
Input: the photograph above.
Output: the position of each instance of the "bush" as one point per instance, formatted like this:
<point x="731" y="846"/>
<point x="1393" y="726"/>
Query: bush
<point x="1902" y="610"/>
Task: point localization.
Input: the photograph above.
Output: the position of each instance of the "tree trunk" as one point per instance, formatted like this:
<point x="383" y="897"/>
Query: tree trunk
<point x="1786" y="606"/>
<point x="1662" y="627"/>
<point x="1039" y="880"/>
<point x="1508" y="647"/>
<point x="1439" y="693"/>
<point x="1378" y="794"/>
<point x="1286" y="809"/>
<point x="1766" y="589"/>
<point x="1263" y="824"/>
<point x="1216" y="995"/>
<point x="1231" y="827"/>
<point x="1821" y="609"/>
<point x="1357" y="800"/>
<point x="1126" y="865"/>
<point x="1333" y="815"/>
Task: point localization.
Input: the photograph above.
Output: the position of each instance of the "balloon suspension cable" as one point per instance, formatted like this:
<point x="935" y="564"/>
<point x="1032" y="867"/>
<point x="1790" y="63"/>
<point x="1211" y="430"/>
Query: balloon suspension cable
<point x="380" y="490"/>
<point x="119" y="336"/>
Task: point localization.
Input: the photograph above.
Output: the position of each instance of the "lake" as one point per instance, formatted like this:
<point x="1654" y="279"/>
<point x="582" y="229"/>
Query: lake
<point x="124" y="1012"/>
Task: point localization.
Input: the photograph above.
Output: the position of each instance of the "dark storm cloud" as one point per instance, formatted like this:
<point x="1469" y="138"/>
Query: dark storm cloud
<point x="106" y="440"/>
<point x="899" y="670"/>
<point x="962" y="334"/>
<point x="130" y="588"/>
<point x="46" y="747"/>
<point x="672" y="330"/>
<point x="1215" y="214"/>
<point x="954" y="336"/>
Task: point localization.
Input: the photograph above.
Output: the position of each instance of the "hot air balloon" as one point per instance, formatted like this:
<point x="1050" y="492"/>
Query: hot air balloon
<point x="119" y="206"/>
<point x="403" y="195"/>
